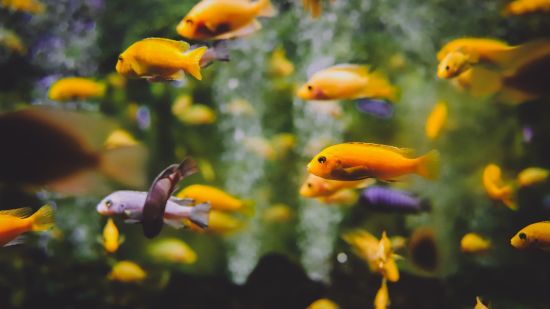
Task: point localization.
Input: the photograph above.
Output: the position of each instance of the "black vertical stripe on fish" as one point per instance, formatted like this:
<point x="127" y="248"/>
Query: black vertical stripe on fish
<point x="160" y="191"/>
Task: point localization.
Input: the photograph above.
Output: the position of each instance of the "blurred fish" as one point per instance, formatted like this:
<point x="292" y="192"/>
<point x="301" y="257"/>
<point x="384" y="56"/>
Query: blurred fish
<point x="531" y="176"/>
<point x="523" y="7"/>
<point x="172" y="250"/>
<point x="120" y="138"/>
<point x="376" y="107"/>
<point x="479" y="304"/>
<point x="492" y="181"/>
<point x="347" y="82"/>
<point x="345" y="197"/>
<point x="473" y="243"/>
<point x="382" y="298"/>
<point x="239" y="107"/>
<point x="220" y="223"/>
<point x="127" y="271"/>
<point x="206" y="170"/>
<point x="226" y="19"/>
<point x="160" y="192"/>
<point x="111" y="238"/>
<point x="76" y="88"/>
<point x="278" y="213"/>
<point x="314" y="7"/>
<point x="181" y="104"/>
<point x="398" y="243"/>
<point x="536" y="235"/>
<point x="355" y="161"/>
<point x="14" y="222"/>
<point x="436" y="120"/>
<point x="384" y="199"/>
<point x="12" y="41"/>
<point x="365" y="245"/>
<point x="158" y="59"/>
<point x="116" y="80"/>
<point x="323" y="303"/>
<point x="197" y="114"/>
<point x="279" y="65"/>
<point x="315" y="186"/>
<point x="129" y="205"/>
<point x="385" y="259"/>
<point x="219" y="199"/>
<point x="69" y="158"/>
<point x="423" y="250"/>
<point x="261" y="147"/>
<point x="26" y="6"/>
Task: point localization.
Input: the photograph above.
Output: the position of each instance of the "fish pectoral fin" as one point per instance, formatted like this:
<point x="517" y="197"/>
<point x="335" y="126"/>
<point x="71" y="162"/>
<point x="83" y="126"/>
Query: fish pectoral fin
<point x="358" y="170"/>
<point x="243" y="31"/>
<point x="16" y="241"/>
<point x="182" y="201"/>
<point x="138" y="68"/>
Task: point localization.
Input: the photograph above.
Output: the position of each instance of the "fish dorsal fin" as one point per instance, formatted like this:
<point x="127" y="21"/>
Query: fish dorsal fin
<point x="181" y="45"/>
<point x="402" y="151"/>
<point x="19" y="212"/>
<point x="362" y="70"/>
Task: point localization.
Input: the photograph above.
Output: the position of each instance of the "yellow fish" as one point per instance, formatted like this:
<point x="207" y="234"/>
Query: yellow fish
<point x="345" y="197"/>
<point x="239" y="107"/>
<point x="219" y="199"/>
<point x="531" y="176"/>
<point x="224" y="19"/>
<point x="279" y="65"/>
<point x="278" y="213"/>
<point x="119" y="138"/>
<point x="347" y="82"/>
<point x="206" y="170"/>
<point x="473" y="243"/>
<point x="492" y="181"/>
<point x="158" y="59"/>
<point x="536" y="235"/>
<point x="436" y="120"/>
<point x="181" y="104"/>
<point x="197" y="114"/>
<point x="172" y="250"/>
<point x="12" y="41"/>
<point x="219" y="223"/>
<point x="14" y="222"/>
<point x="127" y="271"/>
<point x="116" y="80"/>
<point x="355" y="161"/>
<point x="261" y="147"/>
<point x="111" y="237"/>
<point x="479" y="304"/>
<point x="323" y="303"/>
<point x="385" y="259"/>
<point x="315" y="186"/>
<point x="76" y="88"/>
<point x="27" y="6"/>
<point x="522" y="7"/>
<point x="382" y="298"/>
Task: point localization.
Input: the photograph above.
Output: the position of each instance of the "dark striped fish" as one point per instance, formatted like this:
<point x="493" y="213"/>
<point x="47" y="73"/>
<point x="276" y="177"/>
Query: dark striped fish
<point x="384" y="199"/>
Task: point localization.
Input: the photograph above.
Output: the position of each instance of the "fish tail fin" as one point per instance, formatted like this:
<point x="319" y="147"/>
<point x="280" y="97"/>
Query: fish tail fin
<point x="508" y="198"/>
<point x="428" y="166"/>
<point x="515" y="57"/>
<point x="199" y="215"/>
<point x="125" y="165"/>
<point x="249" y="208"/>
<point x="193" y="58"/>
<point x="316" y="8"/>
<point x="265" y="8"/>
<point x="378" y="86"/>
<point x="43" y="219"/>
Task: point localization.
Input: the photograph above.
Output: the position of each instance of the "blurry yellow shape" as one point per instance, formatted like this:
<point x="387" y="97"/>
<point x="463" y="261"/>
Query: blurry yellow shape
<point x="239" y="107"/>
<point x="12" y="41"/>
<point x="531" y="176"/>
<point x="492" y="181"/>
<point x="76" y="88"/>
<point x="127" y="271"/>
<point x="279" y="64"/>
<point x="260" y="147"/>
<point x="278" y="213"/>
<point x="382" y="298"/>
<point x="365" y="245"/>
<point x="386" y="260"/>
<point x="172" y="250"/>
<point x="323" y="303"/>
<point x="120" y="138"/>
<point x="346" y="197"/>
<point x="27" y="6"/>
<point x="479" y="304"/>
<point x="522" y="7"/>
<point x="181" y="105"/>
<point x="315" y="186"/>
<point x="116" y="80"/>
<point x="473" y="243"/>
<point x="206" y="169"/>
<point x="436" y="120"/>
<point x="111" y="237"/>
<point x="219" y="199"/>
<point x="219" y="223"/>
<point x="283" y="143"/>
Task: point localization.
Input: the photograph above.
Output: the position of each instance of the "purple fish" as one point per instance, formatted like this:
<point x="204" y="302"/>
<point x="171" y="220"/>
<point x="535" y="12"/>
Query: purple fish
<point x="383" y="199"/>
<point x="376" y="107"/>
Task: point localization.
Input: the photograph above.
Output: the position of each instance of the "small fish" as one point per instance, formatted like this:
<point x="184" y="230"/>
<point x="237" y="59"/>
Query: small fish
<point x="384" y="199"/>
<point x="347" y="82"/>
<point x="119" y="138"/>
<point x="523" y="7"/>
<point x="71" y="159"/>
<point x="278" y="213"/>
<point x="181" y="104"/>
<point x="455" y="63"/>
<point x="158" y="59"/>
<point x="344" y="197"/>
<point x="172" y="250"/>
<point x="206" y="169"/>
<point x="219" y="199"/>
<point x="129" y="205"/>
<point x="532" y="175"/>
<point x="385" y="259"/>
<point x="111" y="238"/>
<point x="222" y="20"/>
<point x="76" y="88"/>
<point x="479" y="304"/>
<point x="219" y="223"/>
<point x="12" y="41"/>
<point x="536" y="235"/>
<point x="239" y="108"/>
<point x="436" y="120"/>
<point x="279" y="65"/>
<point x="492" y="181"/>
<point x="197" y="114"/>
<point x="355" y="161"/>
<point x="127" y="271"/>
<point x="323" y="303"/>
<point x="382" y="298"/>
<point x="473" y="243"/>
<point x="14" y="222"/>
<point x="26" y="6"/>
<point x="315" y="186"/>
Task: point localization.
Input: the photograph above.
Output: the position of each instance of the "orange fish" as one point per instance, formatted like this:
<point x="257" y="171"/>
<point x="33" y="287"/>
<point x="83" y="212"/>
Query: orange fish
<point x="15" y="222"/>
<point x="492" y="181"/>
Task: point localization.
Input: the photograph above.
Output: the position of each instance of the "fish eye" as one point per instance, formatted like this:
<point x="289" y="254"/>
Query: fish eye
<point x="309" y="185"/>
<point x="522" y="236"/>
<point x="322" y="159"/>
<point x="120" y="58"/>
<point x="309" y="87"/>
<point x="447" y="68"/>
<point x="108" y="203"/>
<point x="189" y="21"/>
